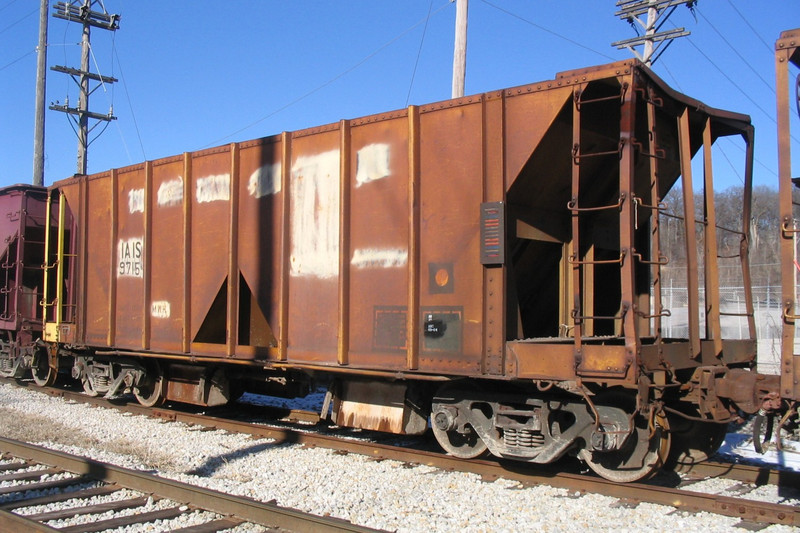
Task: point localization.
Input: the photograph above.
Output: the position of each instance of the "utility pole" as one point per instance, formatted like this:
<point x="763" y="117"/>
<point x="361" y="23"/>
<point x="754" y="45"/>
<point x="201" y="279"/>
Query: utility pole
<point x="653" y="40"/>
<point x="84" y="15"/>
<point x="460" y="49"/>
<point x="41" y="78"/>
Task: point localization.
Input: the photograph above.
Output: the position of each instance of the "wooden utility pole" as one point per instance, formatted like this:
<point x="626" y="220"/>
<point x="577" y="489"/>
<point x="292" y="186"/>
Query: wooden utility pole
<point x="657" y="11"/>
<point x="460" y="49"/>
<point x="84" y="15"/>
<point x="41" y="78"/>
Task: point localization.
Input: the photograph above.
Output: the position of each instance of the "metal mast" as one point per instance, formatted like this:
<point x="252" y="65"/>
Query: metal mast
<point x="84" y="15"/>
<point x="460" y="48"/>
<point x="653" y="40"/>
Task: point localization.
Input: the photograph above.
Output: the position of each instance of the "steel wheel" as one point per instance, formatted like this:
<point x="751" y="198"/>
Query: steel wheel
<point x="43" y="375"/>
<point x="466" y="445"/>
<point x="152" y="390"/>
<point x="456" y="436"/>
<point x="641" y="456"/>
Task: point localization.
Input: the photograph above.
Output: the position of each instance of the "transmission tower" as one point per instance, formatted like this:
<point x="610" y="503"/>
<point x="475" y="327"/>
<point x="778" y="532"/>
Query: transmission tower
<point x="654" y="41"/>
<point x="82" y="13"/>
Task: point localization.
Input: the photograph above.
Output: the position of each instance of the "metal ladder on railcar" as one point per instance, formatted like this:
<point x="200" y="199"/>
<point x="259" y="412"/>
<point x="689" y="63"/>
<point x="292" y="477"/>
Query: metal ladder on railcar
<point x="58" y="304"/>
<point x="631" y="315"/>
<point x="14" y="265"/>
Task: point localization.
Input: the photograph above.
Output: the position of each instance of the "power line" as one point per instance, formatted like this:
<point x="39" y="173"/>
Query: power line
<point x="17" y="60"/>
<point x="17" y="22"/>
<point x="731" y="80"/>
<point x="730" y="163"/>
<point x="325" y="84"/>
<point x="542" y="28"/>
<point x="419" y="53"/>
<point x="735" y="51"/>
<point x="7" y="5"/>
<point x="671" y="75"/>
<point x="755" y="159"/>
<point x="766" y="45"/>
<point x="130" y="104"/>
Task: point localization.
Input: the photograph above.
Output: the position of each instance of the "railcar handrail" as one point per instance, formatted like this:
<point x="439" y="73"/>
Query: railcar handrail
<point x="573" y="260"/>
<point x="662" y="259"/>
<point x="621" y="97"/>
<point x="572" y="205"/>
<point x="658" y="153"/>
<point x="576" y="155"/>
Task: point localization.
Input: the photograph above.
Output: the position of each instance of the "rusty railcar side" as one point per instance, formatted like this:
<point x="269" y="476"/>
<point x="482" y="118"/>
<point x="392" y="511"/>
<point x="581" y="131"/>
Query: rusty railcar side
<point x="311" y="247"/>
<point x="507" y="244"/>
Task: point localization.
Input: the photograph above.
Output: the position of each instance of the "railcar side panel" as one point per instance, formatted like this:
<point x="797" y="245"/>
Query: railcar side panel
<point x="260" y="247"/>
<point x="129" y="252"/>
<point x="96" y="197"/>
<point x="451" y="190"/>
<point x="314" y="224"/>
<point x="167" y="282"/>
<point x="377" y="256"/>
<point x="210" y="233"/>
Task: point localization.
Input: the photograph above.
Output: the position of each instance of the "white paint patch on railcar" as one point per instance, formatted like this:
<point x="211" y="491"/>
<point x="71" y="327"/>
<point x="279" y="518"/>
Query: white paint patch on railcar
<point x="136" y="201"/>
<point x="379" y="258"/>
<point x="130" y="258"/>
<point x="213" y="188"/>
<point x="265" y="180"/>
<point x="170" y="193"/>
<point x="372" y="163"/>
<point x="160" y="309"/>
<point x="315" y="215"/>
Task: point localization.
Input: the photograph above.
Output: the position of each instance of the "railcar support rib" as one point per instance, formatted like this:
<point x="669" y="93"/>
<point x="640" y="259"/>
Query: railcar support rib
<point x="344" y="243"/>
<point x="692" y="281"/>
<point x="713" y="327"/>
<point x="412" y="327"/>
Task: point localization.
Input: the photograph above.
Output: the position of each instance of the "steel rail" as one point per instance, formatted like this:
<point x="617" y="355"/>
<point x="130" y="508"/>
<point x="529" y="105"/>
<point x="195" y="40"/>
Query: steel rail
<point x="524" y="473"/>
<point x="756" y="475"/>
<point x="13" y="522"/>
<point x="247" y="509"/>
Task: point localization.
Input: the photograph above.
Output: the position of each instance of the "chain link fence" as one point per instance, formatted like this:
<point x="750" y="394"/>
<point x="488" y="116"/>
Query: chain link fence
<point x="767" y="311"/>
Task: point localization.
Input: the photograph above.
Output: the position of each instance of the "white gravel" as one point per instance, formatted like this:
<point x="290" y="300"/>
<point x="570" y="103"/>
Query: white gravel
<point x="380" y="494"/>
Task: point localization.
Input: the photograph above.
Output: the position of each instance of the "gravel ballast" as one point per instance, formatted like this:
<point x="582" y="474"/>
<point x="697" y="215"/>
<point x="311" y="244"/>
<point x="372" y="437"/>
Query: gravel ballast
<point x="385" y="495"/>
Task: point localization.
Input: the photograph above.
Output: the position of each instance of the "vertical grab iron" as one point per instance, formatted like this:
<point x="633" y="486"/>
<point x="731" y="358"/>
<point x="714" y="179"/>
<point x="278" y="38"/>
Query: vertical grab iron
<point x="53" y="325"/>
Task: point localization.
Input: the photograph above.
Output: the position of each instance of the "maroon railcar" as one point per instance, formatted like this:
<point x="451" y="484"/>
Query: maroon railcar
<point x="22" y="235"/>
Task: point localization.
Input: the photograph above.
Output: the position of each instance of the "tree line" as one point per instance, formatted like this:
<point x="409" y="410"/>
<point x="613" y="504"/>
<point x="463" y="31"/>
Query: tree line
<point x="764" y="245"/>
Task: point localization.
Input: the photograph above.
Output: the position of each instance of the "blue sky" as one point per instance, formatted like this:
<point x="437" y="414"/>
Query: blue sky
<point x="198" y="74"/>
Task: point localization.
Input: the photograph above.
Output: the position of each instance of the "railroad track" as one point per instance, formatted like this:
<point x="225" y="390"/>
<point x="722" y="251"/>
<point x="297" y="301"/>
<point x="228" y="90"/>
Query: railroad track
<point x="29" y="470"/>
<point x="666" y="490"/>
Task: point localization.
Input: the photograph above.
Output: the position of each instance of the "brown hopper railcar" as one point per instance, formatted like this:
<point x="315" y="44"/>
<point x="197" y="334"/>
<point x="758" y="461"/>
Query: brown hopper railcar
<point x="492" y="264"/>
